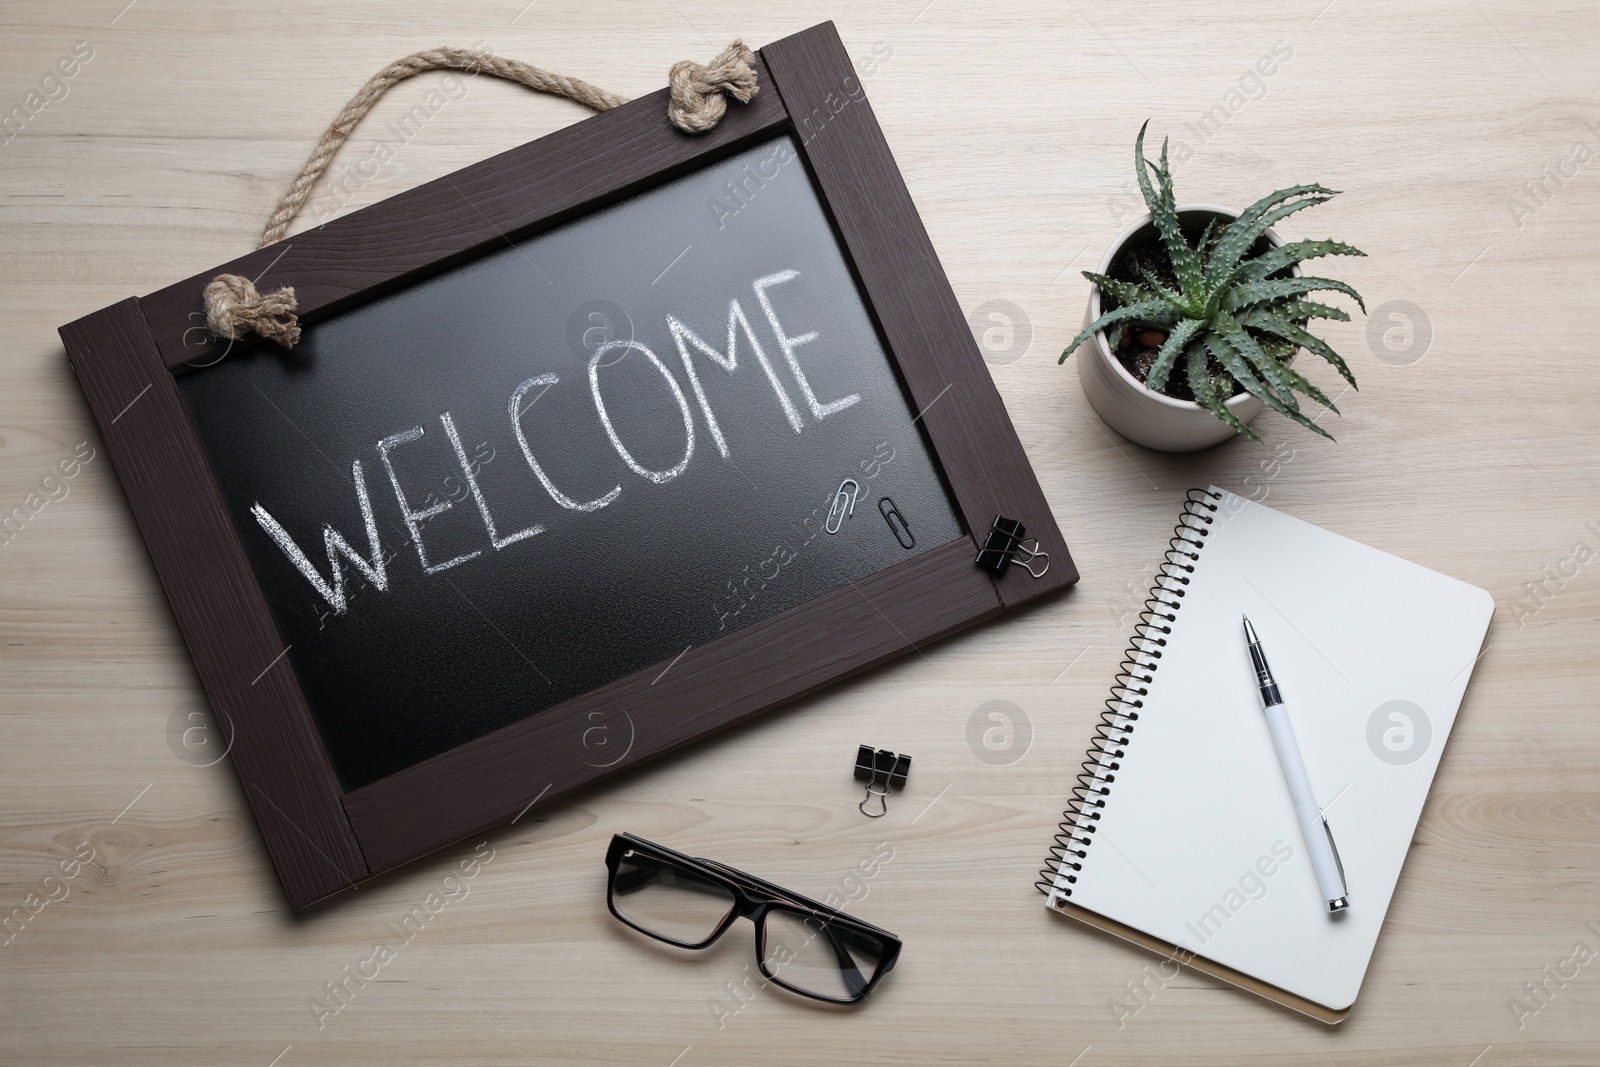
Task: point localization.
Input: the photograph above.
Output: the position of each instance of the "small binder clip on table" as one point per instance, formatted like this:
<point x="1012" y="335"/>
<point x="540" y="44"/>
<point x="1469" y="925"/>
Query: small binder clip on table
<point x="1008" y="542"/>
<point x="880" y="766"/>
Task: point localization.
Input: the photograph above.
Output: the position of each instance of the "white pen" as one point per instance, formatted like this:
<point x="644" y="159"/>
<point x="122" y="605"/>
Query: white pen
<point x="1313" y="827"/>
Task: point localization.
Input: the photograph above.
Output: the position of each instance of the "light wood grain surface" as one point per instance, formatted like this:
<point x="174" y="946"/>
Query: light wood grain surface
<point x="1470" y="448"/>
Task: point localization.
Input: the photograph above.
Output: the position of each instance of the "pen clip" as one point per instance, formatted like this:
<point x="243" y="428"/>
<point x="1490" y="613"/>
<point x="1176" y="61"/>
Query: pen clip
<point x="1335" y="846"/>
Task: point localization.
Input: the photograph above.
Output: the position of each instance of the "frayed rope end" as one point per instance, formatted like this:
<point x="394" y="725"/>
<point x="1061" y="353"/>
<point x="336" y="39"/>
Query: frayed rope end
<point x="234" y="308"/>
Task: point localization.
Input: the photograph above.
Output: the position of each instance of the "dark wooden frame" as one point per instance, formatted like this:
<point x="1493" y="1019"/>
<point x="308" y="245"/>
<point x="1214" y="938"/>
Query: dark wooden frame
<point x="322" y="839"/>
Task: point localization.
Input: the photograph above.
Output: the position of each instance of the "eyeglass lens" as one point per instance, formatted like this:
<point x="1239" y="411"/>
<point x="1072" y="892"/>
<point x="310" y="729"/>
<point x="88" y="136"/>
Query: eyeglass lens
<point x="667" y="901"/>
<point x="817" y="958"/>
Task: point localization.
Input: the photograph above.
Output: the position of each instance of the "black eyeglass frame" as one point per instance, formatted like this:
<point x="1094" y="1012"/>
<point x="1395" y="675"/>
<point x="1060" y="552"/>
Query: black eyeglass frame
<point x="754" y="898"/>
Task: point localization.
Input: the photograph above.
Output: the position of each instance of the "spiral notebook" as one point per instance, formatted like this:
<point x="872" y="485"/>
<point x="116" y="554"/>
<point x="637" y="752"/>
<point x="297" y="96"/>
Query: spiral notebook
<point x="1180" y="835"/>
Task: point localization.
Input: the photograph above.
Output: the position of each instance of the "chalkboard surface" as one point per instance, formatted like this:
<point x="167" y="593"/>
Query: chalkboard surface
<point x="567" y="460"/>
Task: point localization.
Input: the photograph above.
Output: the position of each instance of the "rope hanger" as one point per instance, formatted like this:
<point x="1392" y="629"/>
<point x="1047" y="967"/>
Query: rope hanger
<point x="696" y="103"/>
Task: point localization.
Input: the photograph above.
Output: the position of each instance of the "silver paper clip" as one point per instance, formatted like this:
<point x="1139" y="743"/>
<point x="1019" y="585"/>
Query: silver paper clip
<point x="844" y="505"/>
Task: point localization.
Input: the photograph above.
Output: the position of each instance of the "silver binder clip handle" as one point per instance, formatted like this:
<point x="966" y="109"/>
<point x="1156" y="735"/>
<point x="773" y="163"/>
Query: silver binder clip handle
<point x="883" y="804"/>
<point x="1024" y="557"/>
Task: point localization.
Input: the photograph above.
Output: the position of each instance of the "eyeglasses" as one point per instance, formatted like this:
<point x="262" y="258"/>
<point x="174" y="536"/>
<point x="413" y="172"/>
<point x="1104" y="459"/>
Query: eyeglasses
<point x="802" y="945"/>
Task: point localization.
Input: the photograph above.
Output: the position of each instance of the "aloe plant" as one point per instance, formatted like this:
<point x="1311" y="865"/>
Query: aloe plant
<point x="1234" y="319"/>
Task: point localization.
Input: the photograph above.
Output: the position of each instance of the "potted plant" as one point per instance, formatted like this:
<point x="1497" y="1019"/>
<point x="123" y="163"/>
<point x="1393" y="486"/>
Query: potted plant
<point x="1197" y="313"/>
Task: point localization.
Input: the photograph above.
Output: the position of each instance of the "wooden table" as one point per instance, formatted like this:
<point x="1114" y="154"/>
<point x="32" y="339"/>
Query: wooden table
<point x="1470" y="448"/>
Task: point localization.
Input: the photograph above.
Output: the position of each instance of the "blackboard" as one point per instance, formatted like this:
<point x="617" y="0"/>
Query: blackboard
<point x="693" y="500"/>
<point x="493" y="672"/>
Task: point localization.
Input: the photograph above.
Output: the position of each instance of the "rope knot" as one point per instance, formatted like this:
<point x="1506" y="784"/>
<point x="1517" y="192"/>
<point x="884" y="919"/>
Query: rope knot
<point x="699" y="94"/>
<point x="234" y="308"/>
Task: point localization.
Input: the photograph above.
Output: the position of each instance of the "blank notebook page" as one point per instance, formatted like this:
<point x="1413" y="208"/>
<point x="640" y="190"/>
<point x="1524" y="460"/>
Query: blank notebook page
<point x="1192" y="842"/>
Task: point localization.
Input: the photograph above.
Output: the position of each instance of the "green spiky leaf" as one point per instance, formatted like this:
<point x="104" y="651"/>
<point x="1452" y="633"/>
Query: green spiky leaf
<point x="1222" y="349"/>
<point x="1298" y="383"/>
<point x="1206" y="393"/>
<point x="1163" y="209"/>
<point x="1224" y="352"/>
<point x="1275" y="259"/>
<point x="1151" y="311"/>
<point x="1247" y="294"/>
<point x="1301" y="312"/>
<point x="1176" y="341"/>
<point x="1124" y="292"/>
<point x="1179" y="304"/>
<point x="1236" y="237"/>
<point x="1262" y="319"/>
<point x="1259" y="362"/>
<point x="1267" y="221"/>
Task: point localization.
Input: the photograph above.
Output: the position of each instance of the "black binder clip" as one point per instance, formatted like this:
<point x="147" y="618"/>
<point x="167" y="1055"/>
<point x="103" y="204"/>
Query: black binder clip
<point x="880" y="766"/>
<point x="1009" y="543"/>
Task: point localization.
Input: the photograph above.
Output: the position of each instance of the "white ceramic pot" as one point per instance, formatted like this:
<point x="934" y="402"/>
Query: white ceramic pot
<point x="1138" y="413"/>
